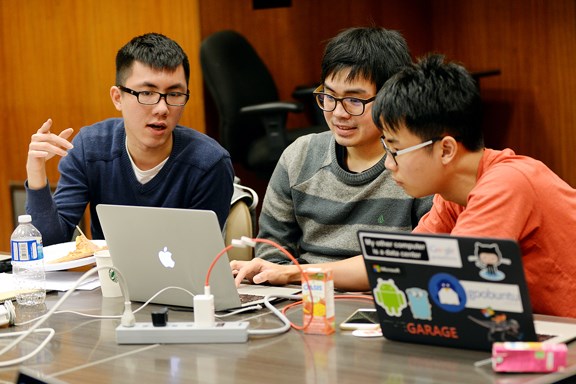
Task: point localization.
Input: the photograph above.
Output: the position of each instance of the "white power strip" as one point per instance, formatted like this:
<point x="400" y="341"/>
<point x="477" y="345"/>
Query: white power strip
<point x="183" y="333"/>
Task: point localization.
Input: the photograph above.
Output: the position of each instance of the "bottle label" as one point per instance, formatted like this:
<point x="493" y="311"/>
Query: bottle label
<point x="27" y="250"/>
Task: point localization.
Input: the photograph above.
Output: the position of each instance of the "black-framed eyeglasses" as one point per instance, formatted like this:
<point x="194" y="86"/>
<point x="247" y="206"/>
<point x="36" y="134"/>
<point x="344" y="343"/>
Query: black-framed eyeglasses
<point x="394" y="154"/>
<point x="352" y="105"/>
<point x="175" y="99"/>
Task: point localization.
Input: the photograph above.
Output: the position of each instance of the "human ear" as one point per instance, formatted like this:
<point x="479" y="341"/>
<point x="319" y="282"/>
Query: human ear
<point x="116" y="97"/>
<point x="449" y="148"/>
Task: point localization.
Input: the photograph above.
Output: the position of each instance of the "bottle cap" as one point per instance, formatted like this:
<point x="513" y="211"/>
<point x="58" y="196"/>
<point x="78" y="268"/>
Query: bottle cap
<point x="24" y="219"/>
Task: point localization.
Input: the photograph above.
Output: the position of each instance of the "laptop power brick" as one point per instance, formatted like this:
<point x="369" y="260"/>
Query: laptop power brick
<point x="183" y="333"/>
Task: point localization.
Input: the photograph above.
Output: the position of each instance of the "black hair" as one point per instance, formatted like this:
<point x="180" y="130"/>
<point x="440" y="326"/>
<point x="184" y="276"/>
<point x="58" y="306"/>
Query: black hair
<point x="154" y="50"/>
<point x="432" y="99"/>
<point x="370" y="52"/>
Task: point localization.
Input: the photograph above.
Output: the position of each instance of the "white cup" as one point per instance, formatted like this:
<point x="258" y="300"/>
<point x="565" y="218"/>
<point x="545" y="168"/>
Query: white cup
<point x="108" y="277"/>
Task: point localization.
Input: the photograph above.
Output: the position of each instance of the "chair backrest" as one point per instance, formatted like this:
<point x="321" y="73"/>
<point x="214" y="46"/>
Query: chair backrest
<point x="236" y="77"/>
<point x="18" y="197"/>
<point x="239" y="224"/>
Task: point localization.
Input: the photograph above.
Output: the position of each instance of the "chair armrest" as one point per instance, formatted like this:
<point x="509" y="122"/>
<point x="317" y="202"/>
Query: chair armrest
<point x="272" y="108"/>
<point x="303" y="92"/>
<point x="273" y="116"/>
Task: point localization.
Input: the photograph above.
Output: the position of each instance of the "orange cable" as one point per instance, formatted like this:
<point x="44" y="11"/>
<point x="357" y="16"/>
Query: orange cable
<point x="272" y="243"/>
<point x="289" y="255"/>
<point x="226" y="249"/>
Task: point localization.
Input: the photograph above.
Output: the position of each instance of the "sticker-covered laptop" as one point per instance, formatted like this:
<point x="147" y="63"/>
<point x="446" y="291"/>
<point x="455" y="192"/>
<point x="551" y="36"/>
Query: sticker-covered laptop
<point x="155" y="248"/>
<point x="452" y="291"/>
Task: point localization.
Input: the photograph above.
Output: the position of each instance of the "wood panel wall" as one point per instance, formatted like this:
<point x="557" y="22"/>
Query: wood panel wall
<point x="57" y="60"/>
<point x="531" y="105"/>
<point x="291" y="40"/>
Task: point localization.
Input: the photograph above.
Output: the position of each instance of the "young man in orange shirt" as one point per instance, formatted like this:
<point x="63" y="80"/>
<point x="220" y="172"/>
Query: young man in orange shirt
<point x="431" y="120"/>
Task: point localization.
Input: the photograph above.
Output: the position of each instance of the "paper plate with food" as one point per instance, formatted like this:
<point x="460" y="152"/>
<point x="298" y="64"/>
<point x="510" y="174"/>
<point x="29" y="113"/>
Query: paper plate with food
<point x="74" y="254"/>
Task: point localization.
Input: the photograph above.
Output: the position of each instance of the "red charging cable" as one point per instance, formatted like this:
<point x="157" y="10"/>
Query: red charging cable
<point x="281" y="249"/>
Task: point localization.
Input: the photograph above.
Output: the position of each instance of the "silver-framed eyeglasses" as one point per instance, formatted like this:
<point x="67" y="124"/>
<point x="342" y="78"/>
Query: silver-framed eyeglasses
<point x="175" y="99"/>
<point x="394" y="154"/>
<point x="352" y="105"/>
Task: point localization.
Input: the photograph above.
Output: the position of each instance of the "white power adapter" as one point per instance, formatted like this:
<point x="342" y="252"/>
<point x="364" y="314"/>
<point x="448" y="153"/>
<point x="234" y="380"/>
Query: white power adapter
<point x="204" y="312"/>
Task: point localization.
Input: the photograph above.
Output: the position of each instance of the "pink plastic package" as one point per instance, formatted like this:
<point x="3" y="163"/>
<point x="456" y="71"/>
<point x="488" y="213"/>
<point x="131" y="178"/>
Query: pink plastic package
<point x="528" y="357"/>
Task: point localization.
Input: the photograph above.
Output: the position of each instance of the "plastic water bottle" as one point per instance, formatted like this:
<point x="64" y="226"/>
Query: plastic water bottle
<point x="28" y="262"/>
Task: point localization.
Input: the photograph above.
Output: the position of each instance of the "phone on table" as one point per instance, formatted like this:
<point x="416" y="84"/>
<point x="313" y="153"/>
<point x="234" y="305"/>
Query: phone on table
<point x="363" y="318"/>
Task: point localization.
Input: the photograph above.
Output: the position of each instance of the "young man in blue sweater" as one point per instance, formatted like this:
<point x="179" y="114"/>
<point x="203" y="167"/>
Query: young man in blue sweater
<point x="144" y="158"/>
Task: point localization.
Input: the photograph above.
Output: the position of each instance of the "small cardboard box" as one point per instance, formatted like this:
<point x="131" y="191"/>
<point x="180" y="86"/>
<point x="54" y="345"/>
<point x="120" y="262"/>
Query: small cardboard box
<point x="318" y="301"/>
<point x="528" y="357"/>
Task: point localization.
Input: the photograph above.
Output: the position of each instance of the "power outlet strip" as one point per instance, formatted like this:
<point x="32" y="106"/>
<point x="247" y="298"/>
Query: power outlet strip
<point x="183" y="333"/>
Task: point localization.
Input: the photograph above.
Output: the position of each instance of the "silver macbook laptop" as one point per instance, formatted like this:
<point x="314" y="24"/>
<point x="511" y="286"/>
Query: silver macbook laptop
<point x="453" y="291"/>
<point x="156" y="248"/>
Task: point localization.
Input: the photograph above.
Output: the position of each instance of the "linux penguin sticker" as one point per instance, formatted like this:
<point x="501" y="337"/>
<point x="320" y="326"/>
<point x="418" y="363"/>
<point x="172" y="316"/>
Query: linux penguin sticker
<point x="488" y="257"/>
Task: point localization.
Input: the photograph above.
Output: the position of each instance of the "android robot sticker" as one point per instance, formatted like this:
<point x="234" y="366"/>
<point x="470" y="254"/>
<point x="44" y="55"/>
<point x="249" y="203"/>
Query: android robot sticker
<point x="488" y="257"/>
<point x="389" y="297"/>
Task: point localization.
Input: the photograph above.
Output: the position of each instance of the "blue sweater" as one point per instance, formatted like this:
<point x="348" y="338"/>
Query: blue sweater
<point x="197" y="175"/>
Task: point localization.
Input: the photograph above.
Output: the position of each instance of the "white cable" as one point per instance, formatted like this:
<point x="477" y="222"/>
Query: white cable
<point x="21" y="359"/>
<point x="72" y="312"/>
<point x="254" y="307"/>
<point x="106" y="316"/>
<point x="43" y="318"/>
<point x="128" y="318"/>
<point x="287" y="325"/>
<point x="161" y="291"/>
<point x="245" y="241"/>
<point x="483" y="362"/>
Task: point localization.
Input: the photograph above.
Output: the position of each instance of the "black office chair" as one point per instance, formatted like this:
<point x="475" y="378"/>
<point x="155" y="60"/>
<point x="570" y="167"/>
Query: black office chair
<point x="252" y="119"/>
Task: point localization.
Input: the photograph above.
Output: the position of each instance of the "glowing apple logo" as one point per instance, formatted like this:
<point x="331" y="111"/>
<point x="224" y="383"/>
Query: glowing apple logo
<point x="165" y="257"/>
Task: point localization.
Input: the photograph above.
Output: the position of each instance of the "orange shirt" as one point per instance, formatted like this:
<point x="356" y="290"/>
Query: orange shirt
<point x="519" y="198"/>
